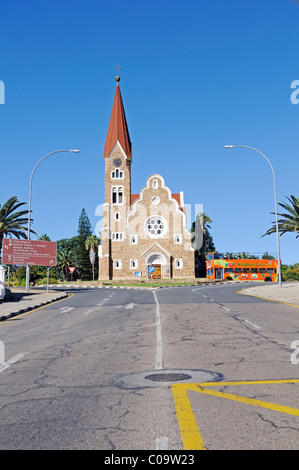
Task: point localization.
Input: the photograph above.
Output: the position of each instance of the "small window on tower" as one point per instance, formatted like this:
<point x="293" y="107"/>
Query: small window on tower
<point x="155" y="184"/>
<point x="114" y="196"/>
<point x="120" y="195"/>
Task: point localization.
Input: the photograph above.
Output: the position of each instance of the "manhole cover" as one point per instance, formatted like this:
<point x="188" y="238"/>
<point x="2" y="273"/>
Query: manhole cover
<point x="165" y="378"/>
<point x="170" y="377"/>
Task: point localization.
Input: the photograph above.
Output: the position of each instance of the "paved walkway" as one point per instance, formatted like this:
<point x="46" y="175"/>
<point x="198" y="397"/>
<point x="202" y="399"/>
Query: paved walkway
<point x="288" y="292"/>
<point x="22" y="301"/>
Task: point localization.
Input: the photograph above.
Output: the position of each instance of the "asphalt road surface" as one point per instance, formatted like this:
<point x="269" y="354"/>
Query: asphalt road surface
<point x="183" y="368"/>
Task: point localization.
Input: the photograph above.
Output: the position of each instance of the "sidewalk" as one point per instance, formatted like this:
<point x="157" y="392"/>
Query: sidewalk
<point x="22" y="301"/>
<point x="289" y="292"/>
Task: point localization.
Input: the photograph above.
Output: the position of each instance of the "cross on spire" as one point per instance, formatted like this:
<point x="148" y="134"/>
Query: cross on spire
<point x="118" y="77"/>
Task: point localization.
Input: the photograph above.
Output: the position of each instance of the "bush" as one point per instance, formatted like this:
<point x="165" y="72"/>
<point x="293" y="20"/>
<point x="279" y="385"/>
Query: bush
<point x="291" y="275"/>
<point x="44" y="281"/>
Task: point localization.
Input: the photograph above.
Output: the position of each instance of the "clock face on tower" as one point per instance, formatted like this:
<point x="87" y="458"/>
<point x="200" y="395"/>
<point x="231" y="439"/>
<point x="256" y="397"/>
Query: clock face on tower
<point x="117" y="162"/>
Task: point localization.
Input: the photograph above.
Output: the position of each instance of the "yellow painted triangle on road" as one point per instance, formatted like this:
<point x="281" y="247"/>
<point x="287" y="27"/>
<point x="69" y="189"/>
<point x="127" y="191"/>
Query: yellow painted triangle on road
<point x="190" y="433"/>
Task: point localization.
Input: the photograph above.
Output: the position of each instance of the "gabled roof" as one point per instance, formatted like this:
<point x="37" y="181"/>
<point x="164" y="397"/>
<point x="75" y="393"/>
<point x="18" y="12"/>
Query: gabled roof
<point x="118" y="129"/>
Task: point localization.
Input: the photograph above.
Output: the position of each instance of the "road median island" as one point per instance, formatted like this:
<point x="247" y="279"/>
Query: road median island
<point x="288" y="293"/>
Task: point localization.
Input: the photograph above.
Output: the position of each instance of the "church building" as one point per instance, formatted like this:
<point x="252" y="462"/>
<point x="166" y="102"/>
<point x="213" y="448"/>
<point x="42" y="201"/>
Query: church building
<point x="143" y="234"/>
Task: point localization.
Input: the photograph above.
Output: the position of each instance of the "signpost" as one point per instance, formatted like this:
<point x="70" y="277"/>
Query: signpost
<point x="151" y="270"/>
<point x="29" y="253"/>
<point x="71" y="269"/>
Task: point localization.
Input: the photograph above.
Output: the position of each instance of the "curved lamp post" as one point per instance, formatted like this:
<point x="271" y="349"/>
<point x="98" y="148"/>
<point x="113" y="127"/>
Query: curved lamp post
<point x="29" y="210"/>
<point x="275" y="199"/>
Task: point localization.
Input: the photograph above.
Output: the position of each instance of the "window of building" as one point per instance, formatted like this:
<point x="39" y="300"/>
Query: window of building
<point x="116" y="215"/>
<point x="178" y="239"/>
<point x="178" y="263"/>
<point x="155" y="226"/>
<point x="117" y="174"/>
<point x="117" y="264"/>
<point x="155" y="200"/>
<point x="117" y="195"/>
<point x="133" y="239"/>
<point x="155" y="184"/>
<point x="117" y="236"/>
<point x="133" y="264"/>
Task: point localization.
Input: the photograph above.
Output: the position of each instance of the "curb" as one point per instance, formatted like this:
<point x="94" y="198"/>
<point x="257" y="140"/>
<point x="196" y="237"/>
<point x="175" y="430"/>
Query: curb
<point x="32" y="307"/>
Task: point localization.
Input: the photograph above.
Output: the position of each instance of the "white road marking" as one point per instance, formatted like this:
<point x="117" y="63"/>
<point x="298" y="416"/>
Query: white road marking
<point x="2" y="353"/>
<point x="130" y="306"/>
<point x="11" y="361"/>
<point x="252" y="324"/>
<point x="88" y="311"/>
<point x="159" y="349"/>
<point x="66" y="309"/>
<point x="162" y="443"/>
<point x="225" y="308"/>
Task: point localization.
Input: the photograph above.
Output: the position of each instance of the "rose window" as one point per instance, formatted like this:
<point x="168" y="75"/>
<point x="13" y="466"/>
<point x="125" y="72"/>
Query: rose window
<point x="155" y="226"/>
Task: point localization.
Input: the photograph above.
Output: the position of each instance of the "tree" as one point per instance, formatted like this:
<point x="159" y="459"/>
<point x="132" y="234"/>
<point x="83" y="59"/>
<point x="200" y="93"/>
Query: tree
<point x="202" y="242"/>
<point x="290" y="220"/>
<point x="44" y="237"/>
<point x="267" y="255"/>
<point x="91" y="245"/>
<point x="66" y="258"/>
<point x="12" y="222"/>
<point x="84" y="231"/>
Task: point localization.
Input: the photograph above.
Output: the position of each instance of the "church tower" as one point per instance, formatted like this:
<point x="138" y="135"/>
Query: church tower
<point x="145" y="231"/>
<point x="118" y="160"/>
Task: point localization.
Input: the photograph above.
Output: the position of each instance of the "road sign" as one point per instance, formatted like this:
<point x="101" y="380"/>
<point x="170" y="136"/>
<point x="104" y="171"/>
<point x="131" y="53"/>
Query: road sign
<point x="151" y="269"/>
<point x="29" y="252"/>
<point x="72" y="269"/>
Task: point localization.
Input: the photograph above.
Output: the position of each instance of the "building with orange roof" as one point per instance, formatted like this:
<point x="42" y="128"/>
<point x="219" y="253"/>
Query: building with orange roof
<point x="142" y="232"/>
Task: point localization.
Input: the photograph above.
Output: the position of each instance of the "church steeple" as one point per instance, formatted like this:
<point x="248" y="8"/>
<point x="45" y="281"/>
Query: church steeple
<point x="118" y="129"/>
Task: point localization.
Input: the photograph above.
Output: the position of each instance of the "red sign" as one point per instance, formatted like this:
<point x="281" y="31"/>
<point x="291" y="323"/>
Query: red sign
<point x="72" y="269"/>
<point x="29" y="252"/>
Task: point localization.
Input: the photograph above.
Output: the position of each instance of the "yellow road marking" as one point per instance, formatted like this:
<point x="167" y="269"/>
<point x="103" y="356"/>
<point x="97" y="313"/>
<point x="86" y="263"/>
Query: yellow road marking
<point x="190" y="433"/>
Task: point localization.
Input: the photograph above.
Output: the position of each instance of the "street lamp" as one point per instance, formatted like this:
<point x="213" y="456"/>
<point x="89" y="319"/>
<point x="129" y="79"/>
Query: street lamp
<point x="29" y="210"/>
<point x="275" y="199"/>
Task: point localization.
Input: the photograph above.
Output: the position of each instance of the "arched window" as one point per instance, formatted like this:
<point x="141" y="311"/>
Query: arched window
<point x="133" y="263"/>
<point x="117" y="174"/>
<point x="117" y="264"/>
<point x="117" y="195"/>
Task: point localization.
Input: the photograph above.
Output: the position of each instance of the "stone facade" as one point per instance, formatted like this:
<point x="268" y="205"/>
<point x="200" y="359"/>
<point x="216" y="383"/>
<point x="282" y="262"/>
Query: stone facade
<point x="141" y="230"/>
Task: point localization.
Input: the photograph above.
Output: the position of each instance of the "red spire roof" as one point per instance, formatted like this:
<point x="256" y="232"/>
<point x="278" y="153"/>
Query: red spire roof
<point x="118" y="129"/>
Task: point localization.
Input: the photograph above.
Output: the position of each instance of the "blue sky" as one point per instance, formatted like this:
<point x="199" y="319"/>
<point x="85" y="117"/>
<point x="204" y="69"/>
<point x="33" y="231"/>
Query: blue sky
<point x="196" y="75"/>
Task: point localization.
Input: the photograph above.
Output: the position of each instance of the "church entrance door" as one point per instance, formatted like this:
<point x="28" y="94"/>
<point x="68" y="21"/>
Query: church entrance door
<point x="157" y="272"/>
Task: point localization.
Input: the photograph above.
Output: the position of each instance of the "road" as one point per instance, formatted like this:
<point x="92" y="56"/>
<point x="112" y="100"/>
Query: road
<point x="118" y="369"/>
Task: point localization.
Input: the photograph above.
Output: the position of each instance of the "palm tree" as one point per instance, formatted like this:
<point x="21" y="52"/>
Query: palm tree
<point x="290" y="220"/>
<point x="65" y="259"/>
<point x="12" y="222"/>
<point x="91" y="244"/>
<point x="200" y="236"/>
